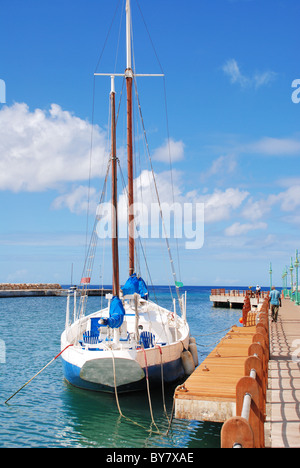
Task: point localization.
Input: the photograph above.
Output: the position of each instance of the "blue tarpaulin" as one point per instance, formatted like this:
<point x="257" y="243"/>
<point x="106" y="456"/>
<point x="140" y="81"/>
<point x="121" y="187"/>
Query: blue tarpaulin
<point x="143" y="291"/>
<point x="135" y="285"/>
<point x="116" y="313"/>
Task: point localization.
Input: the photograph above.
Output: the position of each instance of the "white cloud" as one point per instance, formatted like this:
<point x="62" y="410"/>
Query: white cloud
<point x="275" y="146"/>
<point x="289" y="181"/>
<point x="238" y="229"/>
<point x="254" y="210"/>
<point x="220" y="167"/>
<point x="41" y="149"/>
<point x="78" y="201"/>
<point x="232" y="70"/>
<point x="290" y="199"/>
<point x="287" y="201"/>
<point x="170" y="149"/>
<point x="220" y="204"/>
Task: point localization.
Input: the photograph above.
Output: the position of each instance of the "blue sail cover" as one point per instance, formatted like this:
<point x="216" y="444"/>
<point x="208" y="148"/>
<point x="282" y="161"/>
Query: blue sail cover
<point x="135" y="285"/>
<point x="116" y="313"/>
<point x="143" y="290"/>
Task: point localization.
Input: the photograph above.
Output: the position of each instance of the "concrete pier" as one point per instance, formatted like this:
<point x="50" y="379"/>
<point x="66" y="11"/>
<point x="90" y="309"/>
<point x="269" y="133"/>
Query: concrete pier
<point x="282" y="426"/>
<point x="40" y="290"/>
<point x="235" y="298"/>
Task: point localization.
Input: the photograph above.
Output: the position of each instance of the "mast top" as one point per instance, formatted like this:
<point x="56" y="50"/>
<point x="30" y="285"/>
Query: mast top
<point x="128" y="72"/>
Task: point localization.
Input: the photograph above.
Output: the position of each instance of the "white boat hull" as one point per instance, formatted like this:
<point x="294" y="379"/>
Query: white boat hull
<point x="106" y="367"/>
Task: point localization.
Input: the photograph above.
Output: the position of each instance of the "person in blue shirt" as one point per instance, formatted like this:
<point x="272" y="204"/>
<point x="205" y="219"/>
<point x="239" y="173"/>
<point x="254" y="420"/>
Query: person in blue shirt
<point x="275" y="301"/>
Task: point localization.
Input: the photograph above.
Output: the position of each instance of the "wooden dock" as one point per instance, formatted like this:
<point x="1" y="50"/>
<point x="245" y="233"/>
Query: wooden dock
<point x="209" y="394"/>
<point x="260" y="362"/>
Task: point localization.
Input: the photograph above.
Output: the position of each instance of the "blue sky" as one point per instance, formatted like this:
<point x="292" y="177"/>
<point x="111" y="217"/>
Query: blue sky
<point x="229" y="67"/>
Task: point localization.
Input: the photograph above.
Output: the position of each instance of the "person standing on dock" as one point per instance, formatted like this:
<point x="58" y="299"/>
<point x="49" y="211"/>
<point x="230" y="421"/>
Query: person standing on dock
<point x="275" y="301"/>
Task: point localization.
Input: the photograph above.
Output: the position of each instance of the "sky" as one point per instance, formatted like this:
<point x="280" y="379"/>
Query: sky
<point x="228" y="106"/>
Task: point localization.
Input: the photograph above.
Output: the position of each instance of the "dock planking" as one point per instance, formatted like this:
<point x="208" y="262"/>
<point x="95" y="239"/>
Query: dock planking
<point x="209" y="394"/>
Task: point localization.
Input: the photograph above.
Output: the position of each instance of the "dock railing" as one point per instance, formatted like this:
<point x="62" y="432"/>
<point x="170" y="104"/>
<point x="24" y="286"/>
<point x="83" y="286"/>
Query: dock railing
<point x="246" y="429"/>
<point x="239" y="293"/>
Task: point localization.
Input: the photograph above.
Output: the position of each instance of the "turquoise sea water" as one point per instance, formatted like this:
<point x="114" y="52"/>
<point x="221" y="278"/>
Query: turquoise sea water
<point x="51" y="413"/>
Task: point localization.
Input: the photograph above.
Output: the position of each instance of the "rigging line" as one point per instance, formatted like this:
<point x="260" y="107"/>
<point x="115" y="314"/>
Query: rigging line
<point x="171" y="170"/>
<point x="145" y="259"/>
<point x="153" y="198"/>
<point x="90" y="171"/>
<point x="108" y="138"/>
<point x="156" y="55"/>
<point x="167" y="121"/>
<point x="90" y="168"/>
<point x="138" y="237"/>
<point x="103" y="262"/>
<point x="117" y="51"/>
<point x="89" y="260"/>
<point x="93" y="113"/>
<point x="107" y="36"/>
<point x="120" y="100"/>
<point x="158" y="199"/>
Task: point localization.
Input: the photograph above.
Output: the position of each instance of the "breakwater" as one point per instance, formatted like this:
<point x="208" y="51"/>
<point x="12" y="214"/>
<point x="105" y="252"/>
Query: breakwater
<point x="42" y="289"/>
<point x="28" y="286"/>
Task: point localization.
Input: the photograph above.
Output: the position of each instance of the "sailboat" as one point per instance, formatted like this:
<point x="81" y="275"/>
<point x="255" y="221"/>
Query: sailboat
<point x="132" y="339"/>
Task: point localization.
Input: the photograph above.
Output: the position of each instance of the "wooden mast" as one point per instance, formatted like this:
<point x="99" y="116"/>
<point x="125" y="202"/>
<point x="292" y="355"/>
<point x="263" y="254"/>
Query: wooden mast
<point x="131" y="227"/>
<point x="114" y="194"/>
<point x="129" y="78"/>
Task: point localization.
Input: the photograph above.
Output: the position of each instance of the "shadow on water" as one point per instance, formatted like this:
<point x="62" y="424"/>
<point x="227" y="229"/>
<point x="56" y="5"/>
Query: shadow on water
<point x="97" y="421"/>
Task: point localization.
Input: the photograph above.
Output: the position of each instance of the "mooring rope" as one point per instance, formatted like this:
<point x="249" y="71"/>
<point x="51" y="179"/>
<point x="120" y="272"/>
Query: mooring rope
<point x="118" y="403"/>
<point x="39" y="372"/>
<point x="148" y="389"/>
<point x="162" y="382"/>
<point x="213" y="333"/>
<point x="170" y="420"/>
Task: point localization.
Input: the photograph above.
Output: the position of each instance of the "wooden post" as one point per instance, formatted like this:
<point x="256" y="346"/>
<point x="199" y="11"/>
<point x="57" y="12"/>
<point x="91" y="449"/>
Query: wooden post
<point x="259" y="338"/>
<point x="250" y="385"/>
<point x="255" y="363"/>
<point x="257" y="348"/>
<point x="236" y="431"/>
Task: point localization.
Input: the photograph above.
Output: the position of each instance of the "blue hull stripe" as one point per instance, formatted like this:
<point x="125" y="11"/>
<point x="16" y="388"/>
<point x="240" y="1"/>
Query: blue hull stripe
<point x="172" y="372"/>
